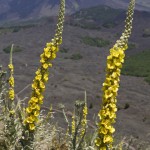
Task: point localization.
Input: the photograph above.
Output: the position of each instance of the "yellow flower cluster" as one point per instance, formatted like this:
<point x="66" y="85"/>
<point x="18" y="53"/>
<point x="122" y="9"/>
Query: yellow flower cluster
<point x="38" y="86"/>
<point x="84" y="120"/>
<point x="11" y="92"/>
<point x="73" y="124"/>
<point x="107" y="114"/>
<point x="110" y="87"/>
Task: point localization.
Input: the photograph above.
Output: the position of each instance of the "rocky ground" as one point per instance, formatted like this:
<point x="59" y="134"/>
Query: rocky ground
<point x="70" y="78"/>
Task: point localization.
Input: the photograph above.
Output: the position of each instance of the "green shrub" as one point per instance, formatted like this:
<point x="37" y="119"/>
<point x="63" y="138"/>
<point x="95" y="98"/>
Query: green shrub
<point x="138" y="65"/>
<point x="64" y="50"/>
<point x="76" y="56"/>
<point x="146" y="32"/>
<point x="98" y="42"/>
<point x="109" y="24"/>
<point x="131" y="46"/>
<point x="16" y="29"/>
<point x="147" y="79"/>
<point x="15" y="49"/>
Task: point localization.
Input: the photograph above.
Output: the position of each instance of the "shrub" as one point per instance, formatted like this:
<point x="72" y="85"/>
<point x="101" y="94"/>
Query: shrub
<point x="64" y="50"/>
<point x="98" y="42"/>
<point x="76" y="56"/>
<point x="131" y="46"/>
<point x="110" y="24"/>
<point x="146" y="33"/>
<point x="138" y="65"/>
<point x="15" y="49"/>
<point x="16" y="29"/>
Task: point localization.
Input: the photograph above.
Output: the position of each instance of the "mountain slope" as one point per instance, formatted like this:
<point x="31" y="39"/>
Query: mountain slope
<point x="27" y="9"/>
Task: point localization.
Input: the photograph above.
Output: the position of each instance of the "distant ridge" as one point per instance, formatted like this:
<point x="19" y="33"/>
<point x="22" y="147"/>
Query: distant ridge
<point x="32" y="9"/>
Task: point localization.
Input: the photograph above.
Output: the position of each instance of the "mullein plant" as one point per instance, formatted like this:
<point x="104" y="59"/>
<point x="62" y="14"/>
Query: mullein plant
<point x="107" y="114"/>
<point x="77" y="130"/>
<point x="9" y="108"/>
<point x="11" y="92"/>
<point x="41" y="78"/>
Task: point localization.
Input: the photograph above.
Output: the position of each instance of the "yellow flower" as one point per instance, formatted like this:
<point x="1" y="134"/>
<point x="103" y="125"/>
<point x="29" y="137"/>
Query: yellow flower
<point x="36" y="113"/>
<point x="45" y="77"/>
<point x="103" y="130"/>
<point x="98" y="142"/>
<point x="34" y="99"/>
<point x="31" y="126"/>
<point x="53" y="56"/>
<point x="49" y="44"/>
<point x="38" y="77"/>
<point x="11" y="67"/>
<point x="30" y="119"/>
<point x="28" y="110"/>
<point x="45" y="65"/>
<point x="47" y="54"/>
<point x="12" y="112"/>
<point x="37" y="107"/>
<point x="108" y="94"/>
<point x="103" y="148"/>
<point x="57" y="49"/>
<point x="42" y="56"/>
<point x="111" y="129"/>
<point x="107" y="139"/>
<point x="11" y="94"/>
<point x="50" y="64"/>
<point x="33" y="106"/>
<point x="42" y="60"/>
<point x="115" y="74"/>
<point x="53" y="48"/>
<point x="117" y="63"/>
<point x="34" y="85"/>
<point x="38" y="72"/>
<point x="37" y="91"/>
<point x="110" y="66"/>
<point x="46" y="49"/>
<point x="11" y="81"/>
<point x="114" y="53"/>
<point x="105" y="122"/>
<point x="42" y="85"/>
<point x="40" y="99"/>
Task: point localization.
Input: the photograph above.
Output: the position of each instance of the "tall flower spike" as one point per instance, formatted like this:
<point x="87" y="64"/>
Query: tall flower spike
<point x="107" y="114"/>
<point x="128" y="25"/>
<point x="41" y="77"/>
<point x="11" y="78"/>
<point x="73" y="124"/>
<point x="84" y="119"/>
<point x="59" y="29"/>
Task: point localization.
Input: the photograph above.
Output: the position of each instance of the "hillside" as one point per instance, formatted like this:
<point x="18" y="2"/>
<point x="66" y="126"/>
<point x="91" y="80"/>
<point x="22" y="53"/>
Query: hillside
<point x="80" y="65"/>
<point x="11" y="10"/>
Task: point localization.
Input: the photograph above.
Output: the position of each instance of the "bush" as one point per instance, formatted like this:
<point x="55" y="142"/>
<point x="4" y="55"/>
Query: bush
<point x="131" y="46"/>
<point x="138" y="65"/>
<point x="146" y="33"/>
<point x="15" y="49"/>
<point x="16" y="29"/>
<point x="109" y="24"/>
<point x="147" y="79"/>
<point x="64" y="50"/>
<point x="76" y="56"/>
<point x="98" y="42"/>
